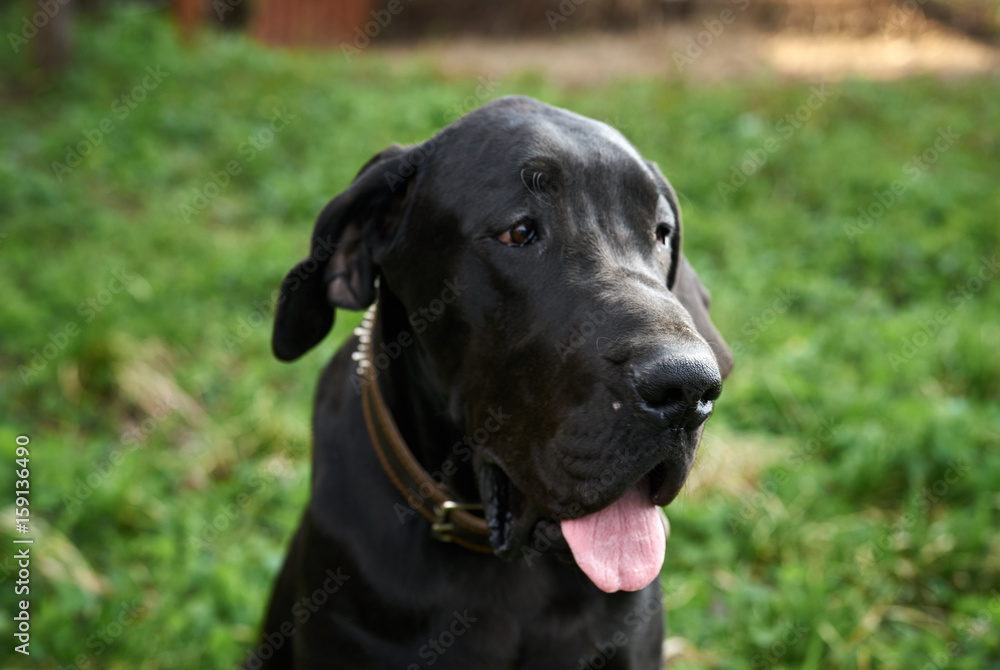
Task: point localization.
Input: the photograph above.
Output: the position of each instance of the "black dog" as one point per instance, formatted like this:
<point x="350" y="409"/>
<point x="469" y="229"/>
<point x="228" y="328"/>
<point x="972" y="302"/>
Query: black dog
<point x="541" y="350"/>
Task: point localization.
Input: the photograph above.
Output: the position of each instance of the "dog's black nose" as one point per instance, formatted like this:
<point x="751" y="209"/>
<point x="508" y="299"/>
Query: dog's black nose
<point x="679" y="387"/>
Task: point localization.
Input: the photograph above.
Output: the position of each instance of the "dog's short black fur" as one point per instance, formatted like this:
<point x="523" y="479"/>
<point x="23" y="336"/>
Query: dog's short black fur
<point x="534" y="258"/>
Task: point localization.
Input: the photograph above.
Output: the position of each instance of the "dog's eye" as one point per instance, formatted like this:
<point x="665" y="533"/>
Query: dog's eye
<point x="662" y="234"/>
<point x="522" y="233"/>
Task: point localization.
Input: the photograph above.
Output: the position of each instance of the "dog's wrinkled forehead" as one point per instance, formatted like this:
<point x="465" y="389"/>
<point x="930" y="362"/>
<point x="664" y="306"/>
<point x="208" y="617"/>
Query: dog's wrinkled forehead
<point x="546" y="147"/>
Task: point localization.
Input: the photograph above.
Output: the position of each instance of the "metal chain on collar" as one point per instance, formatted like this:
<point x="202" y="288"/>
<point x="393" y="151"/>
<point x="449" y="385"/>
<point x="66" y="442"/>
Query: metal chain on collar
<point x="364" y="333"/>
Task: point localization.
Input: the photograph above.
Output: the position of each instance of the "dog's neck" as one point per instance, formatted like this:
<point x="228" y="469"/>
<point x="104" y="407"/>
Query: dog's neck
<point x="419" y="408"/>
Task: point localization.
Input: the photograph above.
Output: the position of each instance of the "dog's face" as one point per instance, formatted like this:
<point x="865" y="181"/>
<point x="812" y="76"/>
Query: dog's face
<point x="536" y="256"/>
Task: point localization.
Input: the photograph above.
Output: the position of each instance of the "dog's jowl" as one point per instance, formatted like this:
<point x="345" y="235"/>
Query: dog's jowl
<point x="527" y="388"/>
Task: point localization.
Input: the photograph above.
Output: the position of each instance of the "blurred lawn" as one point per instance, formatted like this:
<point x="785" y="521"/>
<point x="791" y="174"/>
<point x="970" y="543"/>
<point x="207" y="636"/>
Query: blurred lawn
<point x="845" y="512"/>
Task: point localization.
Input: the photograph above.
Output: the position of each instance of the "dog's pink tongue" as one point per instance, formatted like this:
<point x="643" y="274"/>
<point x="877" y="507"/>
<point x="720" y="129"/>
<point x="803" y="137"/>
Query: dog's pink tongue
<point x="621" y="547"/>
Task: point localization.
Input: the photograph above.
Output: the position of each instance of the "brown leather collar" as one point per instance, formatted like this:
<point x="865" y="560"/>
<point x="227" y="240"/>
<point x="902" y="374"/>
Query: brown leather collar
<point x="450" y="520"/>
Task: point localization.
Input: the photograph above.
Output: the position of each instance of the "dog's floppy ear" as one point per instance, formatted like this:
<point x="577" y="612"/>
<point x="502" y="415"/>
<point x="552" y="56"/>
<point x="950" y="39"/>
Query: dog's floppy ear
<point x="696" y="300"/>
<point x="339" y="270"/>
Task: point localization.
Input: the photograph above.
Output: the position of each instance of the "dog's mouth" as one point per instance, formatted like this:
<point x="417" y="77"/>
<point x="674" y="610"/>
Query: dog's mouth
<point x="620" y="547"/>
<point x="509" y="515"/>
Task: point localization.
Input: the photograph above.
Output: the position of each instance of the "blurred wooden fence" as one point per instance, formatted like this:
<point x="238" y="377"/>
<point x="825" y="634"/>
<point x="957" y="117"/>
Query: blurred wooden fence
<point x="330" y="22"/>
<point x="309" y="22"/>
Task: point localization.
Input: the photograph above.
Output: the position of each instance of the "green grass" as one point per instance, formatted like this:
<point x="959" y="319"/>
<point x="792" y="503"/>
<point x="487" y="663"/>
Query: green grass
<point x="169" y="449"/>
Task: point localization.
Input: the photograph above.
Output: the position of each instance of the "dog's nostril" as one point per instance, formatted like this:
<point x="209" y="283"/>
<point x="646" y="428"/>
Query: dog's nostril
<point x="663" y="397"/>
<point x="712" y="394"/>
<point x="678" y="390"/>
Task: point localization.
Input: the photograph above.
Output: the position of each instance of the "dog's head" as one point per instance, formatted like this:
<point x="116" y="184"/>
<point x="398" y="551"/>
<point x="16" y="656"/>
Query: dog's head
<point x="535" y="257"/>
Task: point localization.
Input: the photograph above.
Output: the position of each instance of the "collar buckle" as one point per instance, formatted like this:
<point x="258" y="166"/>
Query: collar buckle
<point x="442" y="528"/>
<point x="451" y="521"/>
